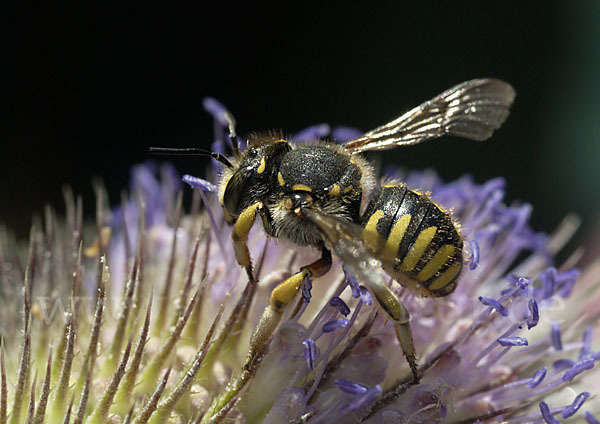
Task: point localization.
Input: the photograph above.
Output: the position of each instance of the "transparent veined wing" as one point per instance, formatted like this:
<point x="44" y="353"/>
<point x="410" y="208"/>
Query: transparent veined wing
<point x="343" y="238"/>
<point x="473" y="110"/>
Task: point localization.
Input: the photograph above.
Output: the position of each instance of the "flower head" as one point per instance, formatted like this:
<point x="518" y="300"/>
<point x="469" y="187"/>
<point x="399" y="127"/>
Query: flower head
<point x="146" y="316"/>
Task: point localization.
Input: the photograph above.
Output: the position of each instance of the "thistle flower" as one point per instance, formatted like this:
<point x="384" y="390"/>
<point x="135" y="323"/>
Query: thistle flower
<point x="146" y="317"/>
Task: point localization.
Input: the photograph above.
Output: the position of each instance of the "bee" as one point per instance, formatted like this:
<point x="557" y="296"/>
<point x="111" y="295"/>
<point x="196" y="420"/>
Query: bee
<point x="324" y="195"/>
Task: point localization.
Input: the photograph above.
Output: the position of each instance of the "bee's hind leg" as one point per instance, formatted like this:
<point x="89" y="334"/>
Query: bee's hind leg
<point x="282" y="295"/>
<point x="396" y="310"/>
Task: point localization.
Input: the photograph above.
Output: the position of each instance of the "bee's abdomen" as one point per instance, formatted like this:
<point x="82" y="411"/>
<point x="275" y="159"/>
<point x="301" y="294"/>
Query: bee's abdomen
<point x="415" y="239"/>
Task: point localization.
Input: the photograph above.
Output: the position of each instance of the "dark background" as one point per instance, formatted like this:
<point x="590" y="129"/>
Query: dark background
<point x="91" y="87"/>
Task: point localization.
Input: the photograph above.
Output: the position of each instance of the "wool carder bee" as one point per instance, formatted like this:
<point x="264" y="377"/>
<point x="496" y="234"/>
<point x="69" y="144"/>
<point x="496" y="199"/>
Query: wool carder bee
<point x="324" y="195"/>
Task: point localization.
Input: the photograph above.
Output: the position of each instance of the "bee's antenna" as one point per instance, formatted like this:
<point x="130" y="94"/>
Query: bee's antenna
<point x="189" y="151"/>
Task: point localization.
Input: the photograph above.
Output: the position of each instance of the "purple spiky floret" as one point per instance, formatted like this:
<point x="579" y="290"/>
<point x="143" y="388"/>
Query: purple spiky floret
<point x="350" y="387"/>
<point x="547" y="415"/>
<point x="338" y="303"/>
<point x="590" y="418"/>
<point x="310" y="352"/>
<point x="352" y="282"/>
<point x="365" y="296"/>
<point x="216" y="109"/>
<point x="366" y="398"/>
<point x="513" y="341"/>
<point x="563" y="364"/>
<point x="312" y="133"/>
<point x="493" y="303"/>
<point x="199" y="183"/>
<point x="556" y="338"/>
<point x="578" y="368"/>
<point x="306" y="290"/>
<point x="534" y="311"/>
<point x="586" y="348"/>
<point x="570" y="410"/>
<point x="342" y="134"/>
<point x="337" y="324"/>
<point x="537" y="378"/>
<point x="474" y="248"/>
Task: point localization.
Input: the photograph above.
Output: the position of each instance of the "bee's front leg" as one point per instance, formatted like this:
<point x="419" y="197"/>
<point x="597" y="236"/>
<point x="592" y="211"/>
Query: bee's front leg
<point x="240" y="232"/>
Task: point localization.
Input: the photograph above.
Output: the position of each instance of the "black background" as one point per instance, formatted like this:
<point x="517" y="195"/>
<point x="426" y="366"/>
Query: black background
<point x="92" y="86"/>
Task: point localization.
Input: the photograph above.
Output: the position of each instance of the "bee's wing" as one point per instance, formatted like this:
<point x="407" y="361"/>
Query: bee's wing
<point x="473" y="109"/>
<point x="344" y="239"/>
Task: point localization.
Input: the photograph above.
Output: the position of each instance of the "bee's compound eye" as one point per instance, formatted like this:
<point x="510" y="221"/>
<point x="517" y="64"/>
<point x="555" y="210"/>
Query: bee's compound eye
<point x="236" y="187"/>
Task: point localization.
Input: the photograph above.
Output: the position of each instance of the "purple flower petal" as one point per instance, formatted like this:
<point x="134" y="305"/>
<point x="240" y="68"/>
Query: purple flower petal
<point x="352" y="282"/>
<point x="577" y="369"/>
<point x="474" y="247"/>
<point x="587" y="342"/>
<point x="330" y="326"/>
<point x="310" y="352"/>
<point x="589" y="417"/>
<point x="537" y="378"/>
<point x="216" y="110"/>
<point x="312" y="133"/>
<point x="534" y="317"/>
<point x="577" y="403"/>
<point x="366" y="398"/>
<point x="513" y="341"/>
<point x="555" y="336"/>
<point x="199" y="183"/>
<point x="365" y="296"/>
<point x="566" y="281"/>
<point x="336" y="302"/>
<point x="341" y="134"/>
<point x="563" y="364"/>
<point x="350" y="387"/>
<point x="546" y="415"/>
<point x="493" y="303"/>
<point x="548" y="279"/>
<point x="523" y="282"/>
<point x="306" y="290"/>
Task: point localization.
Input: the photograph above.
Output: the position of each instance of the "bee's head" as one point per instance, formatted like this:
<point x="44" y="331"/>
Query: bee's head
<point x="253" y="174"/>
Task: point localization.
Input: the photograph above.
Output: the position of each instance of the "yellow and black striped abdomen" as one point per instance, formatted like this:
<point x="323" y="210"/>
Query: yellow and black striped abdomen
<point x="415" y="239"/>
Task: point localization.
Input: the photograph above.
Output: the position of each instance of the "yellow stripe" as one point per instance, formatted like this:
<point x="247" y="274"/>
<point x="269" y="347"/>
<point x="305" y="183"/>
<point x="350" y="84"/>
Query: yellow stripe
<point x="280" y="179"/>
<point x="335" y="190"/>
<point x="418" y="248"/>
<point x="301" y="187"/>
<point x="370" y="234"/>
<point x="446" y="276"/>
<point x="263" y="165"/>
<point x="348" y="189"/>
<point x="439" y="259"/>
<point x="390" y="250"/>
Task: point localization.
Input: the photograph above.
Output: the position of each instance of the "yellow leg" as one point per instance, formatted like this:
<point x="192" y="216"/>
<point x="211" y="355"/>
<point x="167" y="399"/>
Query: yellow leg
<point x="240" y="232"/>
<point x="282" y="295"/>
<point x="393" y="307"/>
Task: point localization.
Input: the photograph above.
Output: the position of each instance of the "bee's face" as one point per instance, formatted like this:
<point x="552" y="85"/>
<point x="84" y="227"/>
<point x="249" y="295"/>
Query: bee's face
<point x="251" y="177"/>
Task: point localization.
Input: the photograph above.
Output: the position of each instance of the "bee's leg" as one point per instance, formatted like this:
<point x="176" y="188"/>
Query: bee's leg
<point x="281" y="295"/>
<point x="240" y="232"/>
<point x="393" y="307"/>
